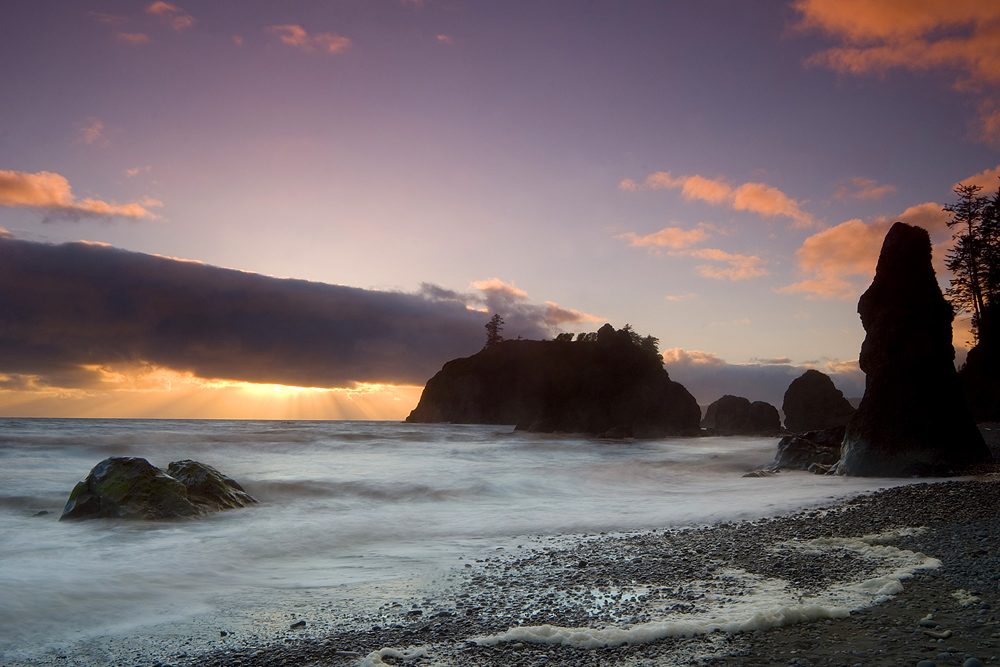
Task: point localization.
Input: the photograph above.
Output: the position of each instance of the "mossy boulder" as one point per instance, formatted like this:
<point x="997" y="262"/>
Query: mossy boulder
<point x="126" y="487"/>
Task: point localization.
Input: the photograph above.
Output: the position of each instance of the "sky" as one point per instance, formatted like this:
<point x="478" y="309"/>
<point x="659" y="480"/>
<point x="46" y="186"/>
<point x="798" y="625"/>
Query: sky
<point x="302" y="209"/>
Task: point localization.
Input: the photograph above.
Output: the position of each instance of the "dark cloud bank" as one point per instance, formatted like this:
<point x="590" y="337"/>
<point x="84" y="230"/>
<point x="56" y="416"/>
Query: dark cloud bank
<point x="75" y="304"/>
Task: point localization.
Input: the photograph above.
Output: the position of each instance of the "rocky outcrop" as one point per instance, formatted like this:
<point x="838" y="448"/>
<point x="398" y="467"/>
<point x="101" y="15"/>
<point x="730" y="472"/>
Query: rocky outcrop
<point x="605" y="386"/>
<point x="913" y="419"/>
<point x="735" y="415"/>
<point x="813" y="403"/>
<point x="132" y="488"/>
<point x="815" y="451"/>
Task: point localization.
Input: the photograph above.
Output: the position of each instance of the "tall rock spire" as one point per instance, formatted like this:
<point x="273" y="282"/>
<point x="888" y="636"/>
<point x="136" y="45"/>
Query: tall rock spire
<point x="913" y="419"/>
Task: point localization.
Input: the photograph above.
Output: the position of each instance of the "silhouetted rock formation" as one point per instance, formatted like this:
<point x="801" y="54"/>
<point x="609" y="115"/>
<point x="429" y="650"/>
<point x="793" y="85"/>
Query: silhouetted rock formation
<point x="813" y="403"/>
<point x="913" y="419"/>
<point x="607" y="386"/>
<point x="815" y="451"/>
<point x="980" y="375"/>
<point x="735" y="415"/>
<point x="131" y="488"/>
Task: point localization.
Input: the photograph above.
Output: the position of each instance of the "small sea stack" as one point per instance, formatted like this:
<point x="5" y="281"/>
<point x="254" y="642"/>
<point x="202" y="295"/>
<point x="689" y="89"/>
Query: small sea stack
<point x="813" y="403"/>
<point x="913" y="420"/>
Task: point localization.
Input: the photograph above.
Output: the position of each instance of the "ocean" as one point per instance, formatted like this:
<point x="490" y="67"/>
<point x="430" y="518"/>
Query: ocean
<point x="352" y="516"/>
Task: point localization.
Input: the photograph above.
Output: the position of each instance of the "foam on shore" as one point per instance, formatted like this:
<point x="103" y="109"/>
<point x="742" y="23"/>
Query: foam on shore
<point x="770" y="602"/>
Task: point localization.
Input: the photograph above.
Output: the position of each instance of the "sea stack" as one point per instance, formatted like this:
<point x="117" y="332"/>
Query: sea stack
<point x="913" y="420"/>
<point x="813" y="403"/>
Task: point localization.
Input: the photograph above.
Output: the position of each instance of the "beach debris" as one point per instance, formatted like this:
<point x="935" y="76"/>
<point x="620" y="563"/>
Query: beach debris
<point x="934" y="634"/>
<point x="964" y="597"/>
<point x="913" y="420"/>
<point x="128" y="487"/>
<point x="297" y="625"/>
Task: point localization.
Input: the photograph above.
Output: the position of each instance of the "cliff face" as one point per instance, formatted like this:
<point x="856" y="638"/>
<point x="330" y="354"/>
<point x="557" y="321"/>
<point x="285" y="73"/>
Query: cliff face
<point x="604" y="386"/>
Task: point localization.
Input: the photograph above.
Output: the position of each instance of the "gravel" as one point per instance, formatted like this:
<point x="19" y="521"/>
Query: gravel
<point x="944" y="615"/>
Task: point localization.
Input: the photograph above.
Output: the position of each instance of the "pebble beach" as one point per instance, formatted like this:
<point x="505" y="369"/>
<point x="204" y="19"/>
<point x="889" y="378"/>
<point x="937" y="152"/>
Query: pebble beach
<point x="944" y="612"/>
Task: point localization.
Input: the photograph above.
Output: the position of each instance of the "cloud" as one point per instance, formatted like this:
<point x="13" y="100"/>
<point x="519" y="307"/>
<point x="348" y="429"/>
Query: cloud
<point x="173" y="14"/>
<point x="759" y="198"/>
<point x="520" y="315"/>
<point x="865" y="189"/>
<point x="957" y="35"/>
<point x="133" y="38"/>
<point x="677" y="241"/>
<point x="296" y="36"/>
<point x="445" y="39"/>
<point x="741" y="267"/>
<point x="838" y="261"/>
<point x="91" y="131"/>
<point x="681" y="297"/>
<point x="73" y="309"/>
<point x="51" y="193"/>
<point x="669" y="237"/>
<point x="988" y="180"/>
<point x="135" y="171"/>
<point x="708" y="377"/>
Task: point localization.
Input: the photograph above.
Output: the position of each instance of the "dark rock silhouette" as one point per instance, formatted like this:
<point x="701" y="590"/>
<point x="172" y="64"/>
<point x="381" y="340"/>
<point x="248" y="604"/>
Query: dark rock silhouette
<point x="605" y="385"/>
<point x="980" y="375"/>
<point x="735" y="415"/>
<point x="131" y="488"/>
<point x="813" y="403"/>
<point x="815" y="451"/>
<point x="913" y="419"/>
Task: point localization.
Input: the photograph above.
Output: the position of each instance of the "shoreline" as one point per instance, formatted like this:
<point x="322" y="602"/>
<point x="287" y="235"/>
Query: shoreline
<point x="608" y="581"/>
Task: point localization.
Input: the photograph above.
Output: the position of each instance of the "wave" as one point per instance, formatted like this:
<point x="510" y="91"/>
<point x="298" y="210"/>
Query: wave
<point x="276" y="491"/>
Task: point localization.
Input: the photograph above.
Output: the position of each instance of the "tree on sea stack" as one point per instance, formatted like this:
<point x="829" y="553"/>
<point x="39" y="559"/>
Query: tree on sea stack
<point x="493" y="329"/>
<point x="913" y="419"/>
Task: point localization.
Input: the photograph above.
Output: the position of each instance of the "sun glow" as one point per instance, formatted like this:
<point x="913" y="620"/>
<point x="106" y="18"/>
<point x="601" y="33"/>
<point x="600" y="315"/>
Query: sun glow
<point x="147" y="391"/>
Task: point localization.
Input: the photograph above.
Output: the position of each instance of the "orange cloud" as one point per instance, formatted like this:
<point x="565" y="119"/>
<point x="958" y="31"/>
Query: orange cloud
<point x="445" y="39"/>
<point x="988" y="180"/>
<point x="669" y="237"/>
<point x="296" y="36"/>
<point x="681" y="297"/>
<point x="759" y="198"/>
<point x="172" y="14"/>
<point x="741" y="267"/>
<point x="863" y="188"/>
<point x="51" y="192"/>
<point x="961" y="35"/>
<point x="133" y="38"/>
<point x="769" y="202"/>
<point x="837" y="259"/>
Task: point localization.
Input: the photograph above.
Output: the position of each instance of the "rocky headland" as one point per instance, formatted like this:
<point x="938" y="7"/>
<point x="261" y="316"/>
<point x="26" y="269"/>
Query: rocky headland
<point x="608" y="385"/>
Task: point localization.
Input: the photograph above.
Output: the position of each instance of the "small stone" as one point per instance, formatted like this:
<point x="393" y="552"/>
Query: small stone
<point x="223" y="633"/>
<point x="973" y="662"/>
<point x="298" y="625"/>
<point x="926" y="663"/>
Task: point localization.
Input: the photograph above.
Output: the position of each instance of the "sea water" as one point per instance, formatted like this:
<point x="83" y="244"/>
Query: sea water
<point x="350" y="514"/>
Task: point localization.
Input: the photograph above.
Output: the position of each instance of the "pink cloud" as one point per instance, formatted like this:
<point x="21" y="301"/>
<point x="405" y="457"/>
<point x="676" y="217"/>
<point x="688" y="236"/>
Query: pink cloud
<point x="988" y="180"/>
<point x="51" y="192"/>
<point x="173" y="14"/>
<point x="863" y="188"/>
<point x="133" y="38"/>
<point x="91" y="131"/>
<point x="740" y="267"/>
<point x="296" y="36"/>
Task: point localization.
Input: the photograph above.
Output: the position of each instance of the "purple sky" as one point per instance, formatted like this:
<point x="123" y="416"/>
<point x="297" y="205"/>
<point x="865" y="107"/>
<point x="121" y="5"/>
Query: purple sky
<point x="717" y="174"/>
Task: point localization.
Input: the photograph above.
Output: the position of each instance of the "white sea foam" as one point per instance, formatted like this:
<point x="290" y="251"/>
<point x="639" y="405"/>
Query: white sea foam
<point x="772" y="602"/>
